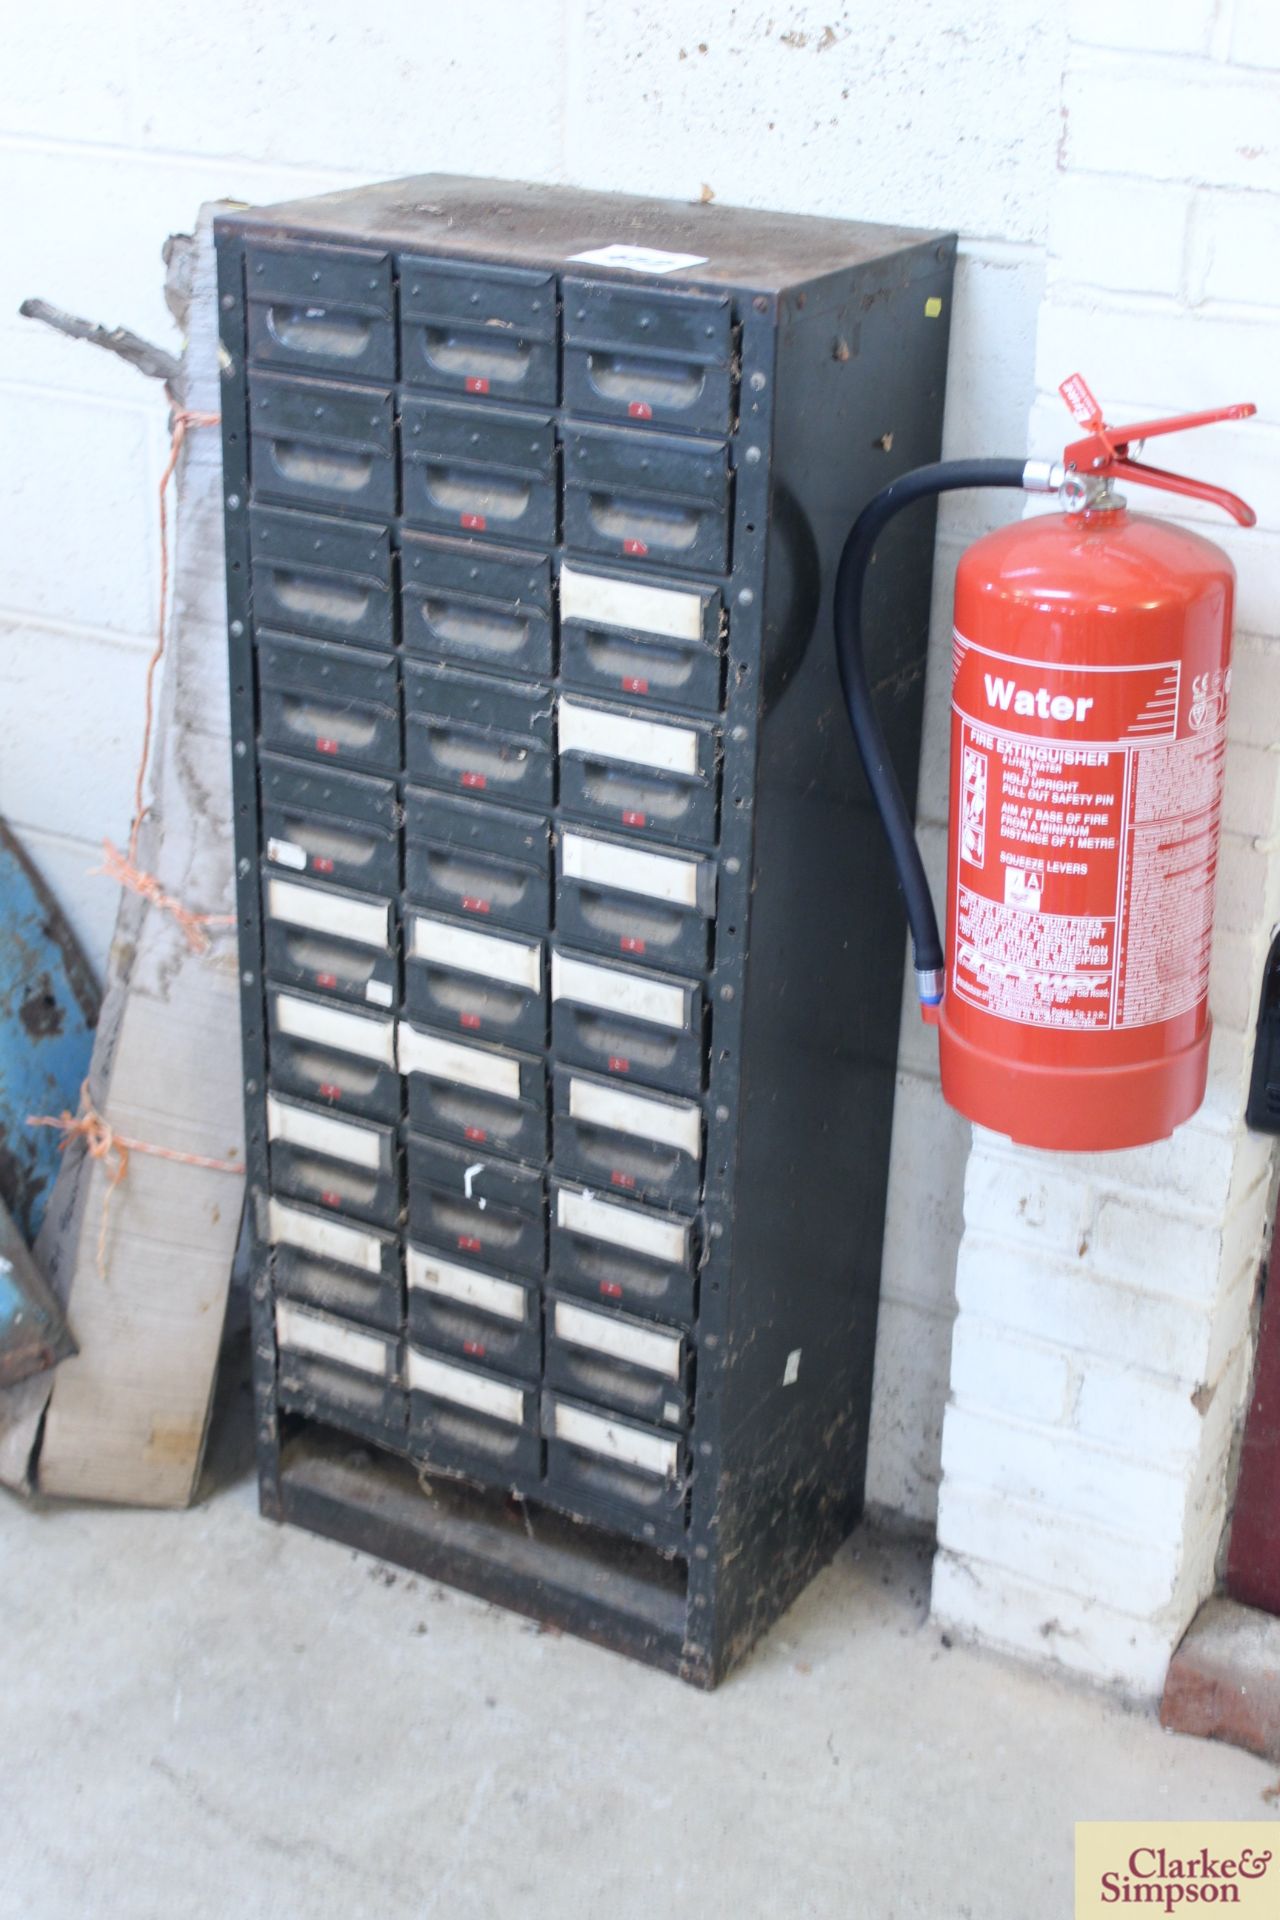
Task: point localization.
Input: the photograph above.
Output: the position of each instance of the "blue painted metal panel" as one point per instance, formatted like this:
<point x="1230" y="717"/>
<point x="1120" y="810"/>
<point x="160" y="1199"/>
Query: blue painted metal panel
<point x="48" y="1012"/>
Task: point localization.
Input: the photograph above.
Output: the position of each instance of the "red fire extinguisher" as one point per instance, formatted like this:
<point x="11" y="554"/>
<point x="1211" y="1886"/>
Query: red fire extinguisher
<point x="1090" y="675"/>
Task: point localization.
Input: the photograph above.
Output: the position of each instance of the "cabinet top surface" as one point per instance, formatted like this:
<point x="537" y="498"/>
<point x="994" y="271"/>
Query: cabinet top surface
<point x="529" y="225"/>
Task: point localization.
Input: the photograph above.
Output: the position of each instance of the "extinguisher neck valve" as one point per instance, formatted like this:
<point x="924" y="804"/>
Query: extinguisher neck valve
<point x="1043" y="476"/>
<point x="930" y="983"/>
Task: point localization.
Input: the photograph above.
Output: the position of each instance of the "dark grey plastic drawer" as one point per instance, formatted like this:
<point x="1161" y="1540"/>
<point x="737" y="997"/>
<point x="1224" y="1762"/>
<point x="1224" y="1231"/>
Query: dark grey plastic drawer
<point x="493" y="1320"/>
<point x="337" y="1397"/>
<point x="657" y="645"/>
<point x="470" y="1421"/>
<point x="646" y="496"/>
<point x="493" y="1237"/>
<point x="318" y="444"/>
<point x="642" y="1029"/>
<point x="335" y="1184"/>
<point x="334" y="826"/>
<point x="612" y="1359"/>
<point x="483" y="862"/>
<point x="655" y="777"/>
<point x="481" y="469"/>
<point x="479" y="330"/>
<point x="490" y="1097"/>
<point x="630" y="1257"/>
<point x="477" y="605"/>
<point x="330" y="703"/>
<point x="328" y="1052"/>
<point x="634" y="901"/>
<point x="371" y="1297"/>
<point x="321" y="309"/>
<point x="331" y="940"/>
<point x="487" y="985"/>
<point x="324" y="1236"/>
<point x="328" y="578"/>
<point x="350" y="1165"/>
<point x="635" y="1143"/>
<point x="472" y="732"/>
<point x="645" y="353"/>
<point x="590" y="1470"/>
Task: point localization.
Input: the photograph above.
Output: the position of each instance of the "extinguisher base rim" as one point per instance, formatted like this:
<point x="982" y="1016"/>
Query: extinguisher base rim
<point x="1081" y="1109"/>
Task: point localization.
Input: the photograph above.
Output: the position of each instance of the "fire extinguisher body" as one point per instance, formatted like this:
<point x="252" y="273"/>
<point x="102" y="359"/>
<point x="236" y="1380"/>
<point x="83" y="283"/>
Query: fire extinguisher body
<point x="1091" y="671"/>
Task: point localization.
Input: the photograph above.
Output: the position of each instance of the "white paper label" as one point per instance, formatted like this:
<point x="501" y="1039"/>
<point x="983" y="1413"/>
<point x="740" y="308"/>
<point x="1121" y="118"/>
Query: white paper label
<point x="631" y="604"/>
<point x="465" y="1066"/>
<point x="429" y="1274"/>
<point x="286" y="853"/>
<point x="378" y="993"/>
<point x="791" y="1372"/>
<point x="465" y="1389"/>
<point x="517" y="962"/>
<point x="333" y="1027"/>
<point x="616" y="736"/>
<point x="639" y="259"/>
<point x="653" y="1001"/>
<point x="648" y="1347"/>
<point x="583" y="1212"/>
<point x="337" y="1139"/>
<point x="330" y="1239"/>
<point x="675" y="1123"/>
<point x="329" y="1339"/>
<point x="603" y="863"/>
<point x="367" y="922"/>
<point x="617" y="1441"/>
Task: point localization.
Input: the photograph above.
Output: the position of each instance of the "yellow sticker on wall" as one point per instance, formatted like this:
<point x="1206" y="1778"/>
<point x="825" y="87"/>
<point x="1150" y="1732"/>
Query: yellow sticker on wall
<point x="1177" y="1867"/>
<point x="932" y="307"/>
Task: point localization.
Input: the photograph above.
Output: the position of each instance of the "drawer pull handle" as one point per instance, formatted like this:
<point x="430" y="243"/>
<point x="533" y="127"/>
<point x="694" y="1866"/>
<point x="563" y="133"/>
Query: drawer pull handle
<point x="483" y="356"/>
<point x="308" y="467"/>
<point x="641" y="525"/>
<point x="309" y="598"/>
<point x="458" y="879"/>
<point x="622" y="381"/>
<point x="487" y="633"/>
<point x="327" y="845"/>
<point x="478" y="500"/>
<point x="330" y="724"/>
<point x="474" y="763"/>
<point x="339" y="336"/>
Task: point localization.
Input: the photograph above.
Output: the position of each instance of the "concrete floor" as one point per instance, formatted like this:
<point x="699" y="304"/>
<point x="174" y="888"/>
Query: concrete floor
<point x="205" y="1715"/>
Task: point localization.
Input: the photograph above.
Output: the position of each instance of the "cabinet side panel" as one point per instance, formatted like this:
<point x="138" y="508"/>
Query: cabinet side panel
<point x="861" y="375"/>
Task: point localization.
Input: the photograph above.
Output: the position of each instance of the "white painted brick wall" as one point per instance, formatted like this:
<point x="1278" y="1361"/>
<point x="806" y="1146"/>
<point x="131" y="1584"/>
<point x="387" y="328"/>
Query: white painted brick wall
<point x="1081" y="1523"/>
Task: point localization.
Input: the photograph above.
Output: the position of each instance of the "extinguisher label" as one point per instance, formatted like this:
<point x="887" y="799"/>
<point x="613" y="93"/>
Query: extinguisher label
<point x="1088" y="801"/>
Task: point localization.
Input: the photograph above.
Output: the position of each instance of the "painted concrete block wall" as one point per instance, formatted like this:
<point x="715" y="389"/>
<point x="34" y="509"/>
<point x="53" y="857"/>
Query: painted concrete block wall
<point x="1100" y="1356"/>
<point x="115" y="123"/>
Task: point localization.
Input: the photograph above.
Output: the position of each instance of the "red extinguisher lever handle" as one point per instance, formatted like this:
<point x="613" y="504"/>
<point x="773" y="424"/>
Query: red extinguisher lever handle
<point x="1105" y="450"/>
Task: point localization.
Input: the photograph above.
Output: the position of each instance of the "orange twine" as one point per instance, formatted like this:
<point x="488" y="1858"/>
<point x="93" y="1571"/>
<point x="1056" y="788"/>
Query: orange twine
<point x="101" y="1142"/>
<point x="123" y="868"/>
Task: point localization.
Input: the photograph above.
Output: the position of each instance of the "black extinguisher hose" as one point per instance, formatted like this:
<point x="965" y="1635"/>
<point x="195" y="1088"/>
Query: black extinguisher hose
<point x="946" y="476"/>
